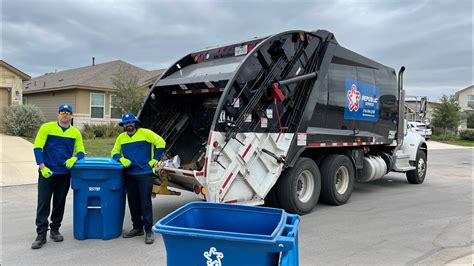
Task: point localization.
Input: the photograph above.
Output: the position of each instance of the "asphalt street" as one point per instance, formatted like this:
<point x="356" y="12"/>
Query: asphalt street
<point x="385" y="222"/>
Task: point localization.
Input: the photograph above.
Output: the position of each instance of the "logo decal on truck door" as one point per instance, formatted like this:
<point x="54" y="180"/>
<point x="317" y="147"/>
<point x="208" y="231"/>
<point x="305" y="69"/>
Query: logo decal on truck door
<point x="213" y="257"/>
<point x="362" y="101"/>
<point x="354" y="97"/>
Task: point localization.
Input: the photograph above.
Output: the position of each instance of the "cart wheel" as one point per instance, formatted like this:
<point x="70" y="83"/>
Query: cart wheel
<point x="337" y="180"/>
<point x="298" y="188"/>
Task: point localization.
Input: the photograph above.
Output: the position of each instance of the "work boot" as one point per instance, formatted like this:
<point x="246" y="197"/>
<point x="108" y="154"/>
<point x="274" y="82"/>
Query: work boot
<point x="55" y="235"/>
<point x="39" y="242"/>
<point x="134" y="232"/>
<point x="149" y="238"/>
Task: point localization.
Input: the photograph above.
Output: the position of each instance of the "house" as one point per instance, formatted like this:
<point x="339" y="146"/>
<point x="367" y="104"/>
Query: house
<point x="88" y="89"/>
<point x="11" y="80"/>
<point x="412" y="111"/>
<point x="465" y="98"/>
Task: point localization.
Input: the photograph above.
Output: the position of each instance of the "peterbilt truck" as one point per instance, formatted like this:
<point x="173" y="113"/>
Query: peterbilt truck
<point x="284" y="120"/>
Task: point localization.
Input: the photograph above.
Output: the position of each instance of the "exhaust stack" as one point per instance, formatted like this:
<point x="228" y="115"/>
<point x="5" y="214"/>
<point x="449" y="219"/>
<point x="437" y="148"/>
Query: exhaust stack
<point x="401" y="109"/>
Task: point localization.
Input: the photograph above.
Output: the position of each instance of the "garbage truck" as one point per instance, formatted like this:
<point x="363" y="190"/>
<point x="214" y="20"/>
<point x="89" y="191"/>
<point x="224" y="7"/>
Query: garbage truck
<point x="284" y="120"/>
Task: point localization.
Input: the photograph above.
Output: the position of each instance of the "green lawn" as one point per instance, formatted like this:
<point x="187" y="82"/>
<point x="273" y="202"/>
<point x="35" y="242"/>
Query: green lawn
<point x="99" y="147"/>
<point x="453" y="140"/>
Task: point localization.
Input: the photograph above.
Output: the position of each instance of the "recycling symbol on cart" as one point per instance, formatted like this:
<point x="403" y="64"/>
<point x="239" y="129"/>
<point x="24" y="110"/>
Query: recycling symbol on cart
<point x="213" y="257"/>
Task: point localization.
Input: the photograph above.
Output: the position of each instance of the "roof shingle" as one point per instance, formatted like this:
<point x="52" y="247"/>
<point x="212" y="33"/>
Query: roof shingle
<point x="97" y="76"/>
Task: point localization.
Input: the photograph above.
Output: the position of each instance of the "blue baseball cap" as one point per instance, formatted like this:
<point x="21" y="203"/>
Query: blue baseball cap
<point x="127" y="118"/>
<point x="66" y="107"/>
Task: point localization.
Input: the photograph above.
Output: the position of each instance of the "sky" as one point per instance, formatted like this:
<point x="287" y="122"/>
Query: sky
<point x="432" y="39"/>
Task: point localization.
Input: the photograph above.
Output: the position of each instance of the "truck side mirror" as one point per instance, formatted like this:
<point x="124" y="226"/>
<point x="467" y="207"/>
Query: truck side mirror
<point x="423" y="105"/>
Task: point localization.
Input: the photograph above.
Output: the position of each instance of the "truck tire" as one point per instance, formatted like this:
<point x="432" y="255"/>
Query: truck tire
<point x="417" y="176"/>
<point x="337" y="179"/>
<point x="298" y="188"/>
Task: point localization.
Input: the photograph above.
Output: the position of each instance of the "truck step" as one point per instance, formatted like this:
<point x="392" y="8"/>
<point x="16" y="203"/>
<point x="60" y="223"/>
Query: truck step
<point x="402" y="163"/>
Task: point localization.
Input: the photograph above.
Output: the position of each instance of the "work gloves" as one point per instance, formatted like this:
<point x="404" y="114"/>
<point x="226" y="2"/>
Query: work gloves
<point x="125" y="162"/>
<point x="152" y="163"/>
<point x="46" y="172"/>
<point x="70" y="162"/>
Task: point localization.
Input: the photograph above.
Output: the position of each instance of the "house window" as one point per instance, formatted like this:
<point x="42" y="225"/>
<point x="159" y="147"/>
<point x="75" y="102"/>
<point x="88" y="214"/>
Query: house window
<point x="25" y="99"/>
<point x="97" y="105"/>
<point x="470" y="101"/>
<point x="114" y="109"/>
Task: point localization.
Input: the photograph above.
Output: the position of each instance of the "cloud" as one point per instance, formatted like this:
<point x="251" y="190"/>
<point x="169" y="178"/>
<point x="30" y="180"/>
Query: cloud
<point x="433" y="39"/>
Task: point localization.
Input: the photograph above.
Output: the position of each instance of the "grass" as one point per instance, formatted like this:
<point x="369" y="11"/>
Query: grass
<point x="454" y="140"/>
<point x="99" y="147"/>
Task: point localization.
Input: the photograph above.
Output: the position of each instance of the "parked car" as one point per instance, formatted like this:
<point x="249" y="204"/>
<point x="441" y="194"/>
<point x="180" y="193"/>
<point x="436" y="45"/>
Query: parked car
<point x="420" y="128"/>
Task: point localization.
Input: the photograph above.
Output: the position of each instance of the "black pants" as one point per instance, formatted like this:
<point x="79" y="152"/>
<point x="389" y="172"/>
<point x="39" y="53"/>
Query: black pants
<point x="56" y="187"/>
<point x="138" y="188"/>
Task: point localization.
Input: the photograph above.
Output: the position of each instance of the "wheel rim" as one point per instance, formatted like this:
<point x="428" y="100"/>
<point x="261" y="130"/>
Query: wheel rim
<point x="305" y="186"/>
<point x="342" y="180"/>
<point x="421" y="167"/>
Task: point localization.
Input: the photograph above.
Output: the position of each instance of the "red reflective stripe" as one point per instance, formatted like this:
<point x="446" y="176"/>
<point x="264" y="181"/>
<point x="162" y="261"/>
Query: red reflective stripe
<point x="209" y="138"/>
<point x="199" y="173"/>
<point x="231" y="201"/>
<point x="345" y="144"/>
<point x="314" y="144"/>
<point x="246" y="151"/>
<point x="172" y="172"/>
<point x="227" y="180"/>
<point x="205" y="166"/>
<point x="188" y="174"/>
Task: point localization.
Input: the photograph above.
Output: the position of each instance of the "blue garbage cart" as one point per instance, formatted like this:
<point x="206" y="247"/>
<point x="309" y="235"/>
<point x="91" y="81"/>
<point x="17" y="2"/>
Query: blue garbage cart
<point x="99" y="198"/>
<point x="203" y="233"/>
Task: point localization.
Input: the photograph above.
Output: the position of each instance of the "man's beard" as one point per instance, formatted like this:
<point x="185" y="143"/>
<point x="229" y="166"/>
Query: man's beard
<point x="130" y="128"/>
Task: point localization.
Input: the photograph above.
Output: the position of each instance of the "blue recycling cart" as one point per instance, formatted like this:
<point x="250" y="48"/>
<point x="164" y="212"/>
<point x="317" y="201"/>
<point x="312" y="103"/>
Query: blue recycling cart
<point x="203" y="233"/>
<point x="99" y="198"/>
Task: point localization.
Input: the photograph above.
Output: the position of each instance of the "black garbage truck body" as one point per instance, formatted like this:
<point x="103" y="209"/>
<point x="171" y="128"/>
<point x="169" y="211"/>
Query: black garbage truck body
<point x="284" y="120"/>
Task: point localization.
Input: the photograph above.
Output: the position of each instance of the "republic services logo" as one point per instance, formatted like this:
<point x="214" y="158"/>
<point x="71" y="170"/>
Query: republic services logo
<point x="354" y="96"/>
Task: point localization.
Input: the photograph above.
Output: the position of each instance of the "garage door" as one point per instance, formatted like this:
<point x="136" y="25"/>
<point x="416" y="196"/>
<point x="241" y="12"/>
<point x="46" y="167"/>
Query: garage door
<point x="4" y="101"/>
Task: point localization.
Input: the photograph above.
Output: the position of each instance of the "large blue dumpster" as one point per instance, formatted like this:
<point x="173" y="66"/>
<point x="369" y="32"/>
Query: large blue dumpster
<point x="99" y="198"/>
<point x="203" y="233"/>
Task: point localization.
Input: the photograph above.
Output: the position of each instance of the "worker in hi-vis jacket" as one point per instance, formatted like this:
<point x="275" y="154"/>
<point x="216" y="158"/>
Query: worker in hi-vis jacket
<point x="138" y="149"/>
<point x="54" y="149"/>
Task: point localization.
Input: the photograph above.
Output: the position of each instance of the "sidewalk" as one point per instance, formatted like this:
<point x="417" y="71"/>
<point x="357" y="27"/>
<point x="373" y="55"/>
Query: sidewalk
<point x="17" y="162"/>
<point x="433" y="145"/>
<point x="466" y="260"/>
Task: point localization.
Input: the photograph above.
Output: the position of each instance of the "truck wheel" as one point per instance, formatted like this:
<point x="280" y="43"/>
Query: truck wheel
<point x="337" y="180"/>
<point x="417" y="176"/>
<point x="298" y="188"/>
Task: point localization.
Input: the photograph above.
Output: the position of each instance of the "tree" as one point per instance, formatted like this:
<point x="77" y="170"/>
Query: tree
<point x="447" y="115"/>
<point x="470" y="121"/>
<point x="129" y="92"/>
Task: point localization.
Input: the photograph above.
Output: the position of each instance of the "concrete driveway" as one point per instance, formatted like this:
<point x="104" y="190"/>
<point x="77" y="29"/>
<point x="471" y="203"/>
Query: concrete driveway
<point x="17" y="162"/>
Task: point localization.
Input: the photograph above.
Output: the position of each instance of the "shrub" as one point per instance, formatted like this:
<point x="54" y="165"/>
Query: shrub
<point x="22" y="120"/>
<point x="109" y="130"/>
<point x="112" y="130"/>
<point x="466" y="134"/>
<point x="470" y="121"/>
